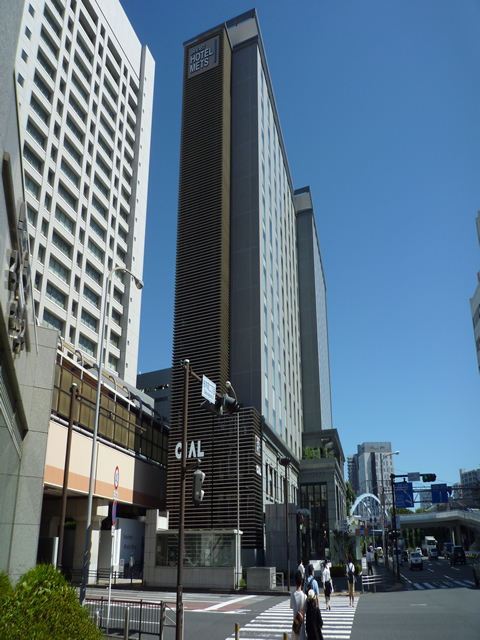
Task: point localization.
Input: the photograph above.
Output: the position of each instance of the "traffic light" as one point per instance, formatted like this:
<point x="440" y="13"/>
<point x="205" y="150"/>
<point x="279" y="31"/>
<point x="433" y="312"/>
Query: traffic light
<point x="198" y="492"/>
<point x="229" y="405"/>
<point x="429" y="477"/>
<point x="215" y="408"/>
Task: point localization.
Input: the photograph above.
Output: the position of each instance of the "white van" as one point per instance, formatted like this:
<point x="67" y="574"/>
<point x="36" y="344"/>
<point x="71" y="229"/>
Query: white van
<point x="432" y="553"/>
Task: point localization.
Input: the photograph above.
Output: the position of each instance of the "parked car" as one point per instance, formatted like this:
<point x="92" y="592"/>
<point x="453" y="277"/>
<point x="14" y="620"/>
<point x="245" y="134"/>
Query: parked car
<point x="446" y="549"/>
<point x="415" y="560"/>
<point x="476" y="570"/>
<point x="457" y="555"/>
<point x="405" y="555"/>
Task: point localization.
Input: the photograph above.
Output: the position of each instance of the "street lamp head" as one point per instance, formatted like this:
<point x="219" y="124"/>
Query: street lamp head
<point x="228" y="384"/>
<point x="138" y="283"/>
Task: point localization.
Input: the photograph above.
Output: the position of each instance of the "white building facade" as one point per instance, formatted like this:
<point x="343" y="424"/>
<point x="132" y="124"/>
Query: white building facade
<point x="366" y="466"/>
<point x="85" y="92"/>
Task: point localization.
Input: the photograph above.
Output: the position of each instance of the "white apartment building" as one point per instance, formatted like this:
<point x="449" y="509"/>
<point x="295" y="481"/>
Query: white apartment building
<point x="365" y="469"/>
<point x="85" y="93"/>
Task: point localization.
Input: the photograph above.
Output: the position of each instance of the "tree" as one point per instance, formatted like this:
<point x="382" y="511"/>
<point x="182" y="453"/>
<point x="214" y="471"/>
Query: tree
<point x="310" y="453"/>
<point x="350" y="497"/>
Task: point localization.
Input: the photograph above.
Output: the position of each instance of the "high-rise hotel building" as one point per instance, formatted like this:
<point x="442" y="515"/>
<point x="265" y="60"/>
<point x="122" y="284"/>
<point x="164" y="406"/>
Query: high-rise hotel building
<point x="85" y="90"/>
<point x="242" y="307"/>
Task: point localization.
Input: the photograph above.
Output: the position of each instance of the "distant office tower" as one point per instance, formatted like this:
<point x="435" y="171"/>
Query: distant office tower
<point x="352" y="472"/>
<point x="365" y="468"/>
<point x="85" y="89"/>
<point x="475" y="305"/>
<point x="249" y="305"/>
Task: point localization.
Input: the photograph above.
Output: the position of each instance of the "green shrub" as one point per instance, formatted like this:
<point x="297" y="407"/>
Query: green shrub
<point x="44" y="606"/>
<point x="5" y="588"/>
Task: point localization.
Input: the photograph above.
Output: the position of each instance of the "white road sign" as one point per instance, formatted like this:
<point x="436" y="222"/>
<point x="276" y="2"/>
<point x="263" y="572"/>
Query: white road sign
<point x="208" y="389"/>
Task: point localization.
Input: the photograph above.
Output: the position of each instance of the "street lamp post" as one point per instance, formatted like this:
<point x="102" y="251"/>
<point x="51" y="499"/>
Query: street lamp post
<point x="382" y="456"/>
<point x="93" y="462"/>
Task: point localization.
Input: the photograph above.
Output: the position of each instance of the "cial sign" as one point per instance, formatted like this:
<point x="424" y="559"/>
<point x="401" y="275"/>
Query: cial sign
<point x="193" y="452"/>
<point x="202" y="57"/>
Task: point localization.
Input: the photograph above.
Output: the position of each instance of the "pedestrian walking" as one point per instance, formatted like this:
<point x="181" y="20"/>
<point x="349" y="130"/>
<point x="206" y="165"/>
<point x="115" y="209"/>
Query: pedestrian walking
<point x="301" y="568"/>
<point x="311" y="583"/>
<point x="297" y="603"/>
<point x="314" y="622"/>
<point x="327" y="585"/>
<point x="350" y="573"/>
<point x="369" y="561"/>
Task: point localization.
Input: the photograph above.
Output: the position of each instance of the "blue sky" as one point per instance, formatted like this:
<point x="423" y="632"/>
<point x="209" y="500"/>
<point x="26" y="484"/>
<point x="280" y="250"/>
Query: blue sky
<point x="379" y="108"/>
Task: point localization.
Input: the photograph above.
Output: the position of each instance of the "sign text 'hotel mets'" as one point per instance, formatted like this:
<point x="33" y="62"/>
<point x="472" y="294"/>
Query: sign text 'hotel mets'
<point x="202" y="57"/>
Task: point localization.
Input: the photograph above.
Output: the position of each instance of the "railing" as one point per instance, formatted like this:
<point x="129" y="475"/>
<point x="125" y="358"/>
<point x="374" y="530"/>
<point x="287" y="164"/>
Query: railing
<point x="130" y="616"/>
<point x="103" y="575"/>
<point x="367" y="581"/>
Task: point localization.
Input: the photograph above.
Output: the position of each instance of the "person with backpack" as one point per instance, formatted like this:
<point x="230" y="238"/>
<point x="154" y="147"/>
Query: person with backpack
<point x="314" y="623"/>
<point x="350" y="573"/>
<point x="297" y="602"/>
<point x="311" y="583"/>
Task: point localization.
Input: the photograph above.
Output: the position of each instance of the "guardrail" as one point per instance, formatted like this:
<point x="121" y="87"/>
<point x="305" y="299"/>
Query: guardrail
<point x="103" y="575"/>
<point x="367" y="581"/>
<point x="279" y="580"/>
<point x="130" y="616"/>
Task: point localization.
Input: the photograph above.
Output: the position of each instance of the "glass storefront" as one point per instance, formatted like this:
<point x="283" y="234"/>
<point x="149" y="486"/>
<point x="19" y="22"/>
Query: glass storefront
<point x="315" y="534"/>
<point x="202" y="549"/>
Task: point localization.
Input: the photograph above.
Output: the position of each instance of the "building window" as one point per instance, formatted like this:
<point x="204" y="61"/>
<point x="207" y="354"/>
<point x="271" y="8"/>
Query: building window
<point x="86" y="345"/>
<point x="56" y="296"/>
<point x="93" y="273"/>
<point x="88" y="320"/>
<point x="113" y="362"/>
<point x="32" y="187"/>
<point x="59" y="270"/>
<point x="51" y="321"/>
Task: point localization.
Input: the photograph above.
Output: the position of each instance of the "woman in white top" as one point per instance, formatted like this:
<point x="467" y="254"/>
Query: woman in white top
<point x="327" y="585"/>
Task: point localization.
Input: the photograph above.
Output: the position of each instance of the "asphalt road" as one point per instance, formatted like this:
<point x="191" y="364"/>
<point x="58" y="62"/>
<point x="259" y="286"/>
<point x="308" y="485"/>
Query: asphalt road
<point x="432" y="604"/>
<point x="433" y="614"/>
<point x="438" y="574"/>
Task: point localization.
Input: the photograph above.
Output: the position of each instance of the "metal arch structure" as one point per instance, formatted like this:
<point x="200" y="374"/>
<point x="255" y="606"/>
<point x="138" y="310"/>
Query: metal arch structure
<point x="364" y="499"/>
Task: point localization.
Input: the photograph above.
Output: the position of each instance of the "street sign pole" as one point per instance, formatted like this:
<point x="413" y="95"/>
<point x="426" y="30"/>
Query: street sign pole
<point x="116" y="477"/>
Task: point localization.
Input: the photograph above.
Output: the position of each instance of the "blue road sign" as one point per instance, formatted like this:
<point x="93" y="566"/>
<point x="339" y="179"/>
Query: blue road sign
<point x="404" y="495"/>
<point x="439" y="493"/>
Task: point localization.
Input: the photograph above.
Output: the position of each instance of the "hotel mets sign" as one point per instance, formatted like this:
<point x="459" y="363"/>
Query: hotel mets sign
<point x="202" y="57"/>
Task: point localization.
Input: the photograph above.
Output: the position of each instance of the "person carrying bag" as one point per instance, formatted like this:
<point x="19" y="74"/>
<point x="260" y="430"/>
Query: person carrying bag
<point x="298" y="622"/>
<point x="297" y="603"/>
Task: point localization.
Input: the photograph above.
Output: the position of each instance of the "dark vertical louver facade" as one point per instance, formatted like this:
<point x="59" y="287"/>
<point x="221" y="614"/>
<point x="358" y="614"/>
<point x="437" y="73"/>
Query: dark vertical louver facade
<point x="202" y="306"/>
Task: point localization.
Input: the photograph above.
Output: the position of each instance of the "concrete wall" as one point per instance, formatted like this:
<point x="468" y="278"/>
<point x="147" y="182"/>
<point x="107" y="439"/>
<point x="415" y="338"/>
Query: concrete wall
<point x="193" y="577"/>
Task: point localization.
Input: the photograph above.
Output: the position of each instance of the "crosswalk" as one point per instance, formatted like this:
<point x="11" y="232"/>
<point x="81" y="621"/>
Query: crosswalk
<point x="274" y="622"/>
<point x="448" y="583"/>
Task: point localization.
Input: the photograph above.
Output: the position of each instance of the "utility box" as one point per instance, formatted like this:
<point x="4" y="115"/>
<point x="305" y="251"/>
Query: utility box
<point x="261" y="578"/>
